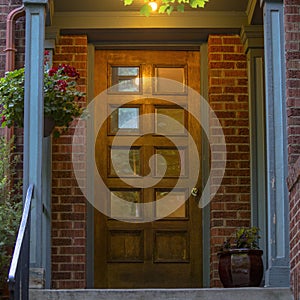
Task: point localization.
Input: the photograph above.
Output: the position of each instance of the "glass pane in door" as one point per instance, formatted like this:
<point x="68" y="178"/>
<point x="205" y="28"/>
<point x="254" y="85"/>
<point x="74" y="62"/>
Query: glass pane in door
<point x="124" y="119"/>
<point x="124" y="161"/>
<point x="124" y="204"/>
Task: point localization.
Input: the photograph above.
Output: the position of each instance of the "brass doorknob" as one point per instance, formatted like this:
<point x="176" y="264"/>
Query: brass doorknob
<point x="195" y="192"/>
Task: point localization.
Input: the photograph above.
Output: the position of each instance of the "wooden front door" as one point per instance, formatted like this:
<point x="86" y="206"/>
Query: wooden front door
<point x="135" y="247"/>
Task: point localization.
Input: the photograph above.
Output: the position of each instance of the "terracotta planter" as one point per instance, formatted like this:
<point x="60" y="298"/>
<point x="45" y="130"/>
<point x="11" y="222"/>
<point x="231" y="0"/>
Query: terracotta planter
<point x="241" y="267"/>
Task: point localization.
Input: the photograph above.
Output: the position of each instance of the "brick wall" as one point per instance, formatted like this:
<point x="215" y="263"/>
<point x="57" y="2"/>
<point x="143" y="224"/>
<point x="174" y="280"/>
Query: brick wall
<point x="68" y="203"/>
<point x="292" y="47"/>
<point x="228" y="97"/>
<point x="292" y="35"/>
<point x="294" y="188"/>
<point x="7" y="6"/>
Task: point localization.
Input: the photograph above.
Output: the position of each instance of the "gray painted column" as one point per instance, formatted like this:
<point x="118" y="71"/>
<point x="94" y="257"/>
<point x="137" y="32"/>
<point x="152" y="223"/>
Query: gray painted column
<point x="253" y="40"/>
<point x="205" y="166"/>
<point x="33" y="124"/>
<point x="90" y="170"/>
<point x="277" y="273"/>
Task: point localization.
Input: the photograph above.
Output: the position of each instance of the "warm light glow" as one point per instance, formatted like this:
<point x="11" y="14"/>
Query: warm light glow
<point x="153" y="5"/>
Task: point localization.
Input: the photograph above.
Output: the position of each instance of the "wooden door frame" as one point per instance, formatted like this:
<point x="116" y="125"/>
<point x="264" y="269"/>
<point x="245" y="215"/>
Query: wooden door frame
<point x="205" y="166"/>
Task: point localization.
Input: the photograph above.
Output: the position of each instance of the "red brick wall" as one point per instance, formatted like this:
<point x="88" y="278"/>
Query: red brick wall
<point x="68" y="203"/>
<point x="292" y="35"/>
<point x="292" y="47"/>
<point x="294" y="188"/>
<point x="7" y="6"/>
<point x="228" y="97"/>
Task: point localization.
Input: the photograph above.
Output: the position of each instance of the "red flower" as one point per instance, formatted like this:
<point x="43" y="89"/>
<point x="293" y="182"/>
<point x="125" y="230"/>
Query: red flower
<point x="62" y="85"/>
<point x="52" y="71"/>
<point x="3" y="119"/>
<point x="70" y="71"/>
<point x="65" y="70"/>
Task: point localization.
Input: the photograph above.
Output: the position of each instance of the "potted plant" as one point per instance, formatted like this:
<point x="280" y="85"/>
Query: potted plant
<point x="60" y="98"/>
<point x="240" y="261"/>
<point x="10" y="209"/>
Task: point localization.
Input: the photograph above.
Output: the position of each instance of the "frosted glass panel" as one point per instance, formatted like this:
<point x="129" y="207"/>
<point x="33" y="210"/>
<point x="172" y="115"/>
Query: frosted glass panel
<point x="128" y="118"/>
<point x="126" y="79"/>
<point x="124" y="119"/>
<point x="124" y="204"/>
<point x="173" y="159"/>
<point x="176" y="83"/>
<point x="176" y="198"/>
<point x="124" y="162"/>
<point x="172" y="124"/>
<point x="127" y="71"/>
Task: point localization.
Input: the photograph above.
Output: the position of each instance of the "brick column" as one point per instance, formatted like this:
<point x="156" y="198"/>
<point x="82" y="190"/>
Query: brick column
<point x="228" y="97"/>
<point x="68" y="203"/>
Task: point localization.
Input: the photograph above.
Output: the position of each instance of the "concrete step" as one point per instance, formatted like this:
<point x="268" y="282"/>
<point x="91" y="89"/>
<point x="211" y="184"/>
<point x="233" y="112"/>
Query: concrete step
<point x="164" y="294"/>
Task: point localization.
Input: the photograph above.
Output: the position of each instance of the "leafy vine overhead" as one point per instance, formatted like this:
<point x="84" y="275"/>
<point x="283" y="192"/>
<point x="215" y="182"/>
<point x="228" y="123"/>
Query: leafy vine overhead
<point x="166" y="6"/>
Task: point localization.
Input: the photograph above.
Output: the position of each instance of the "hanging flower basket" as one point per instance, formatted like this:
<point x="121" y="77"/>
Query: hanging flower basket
<point x="61" y="97"/>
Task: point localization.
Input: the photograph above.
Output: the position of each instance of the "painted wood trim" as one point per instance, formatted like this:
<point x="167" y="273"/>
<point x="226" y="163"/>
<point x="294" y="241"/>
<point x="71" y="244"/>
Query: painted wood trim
<point x="251" y="9"/>
<point x="90" y="182"/>
<point x="46" y="199"/>
<point x="277" y="273"/>
<point x="33" y="121"/>
<point x="205" y="167"/>
<point x="253" y="41"/>
<point x="83" y="20"/>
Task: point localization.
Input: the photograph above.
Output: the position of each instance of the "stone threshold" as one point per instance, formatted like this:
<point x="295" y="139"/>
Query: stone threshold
<point x="164" y="294"/>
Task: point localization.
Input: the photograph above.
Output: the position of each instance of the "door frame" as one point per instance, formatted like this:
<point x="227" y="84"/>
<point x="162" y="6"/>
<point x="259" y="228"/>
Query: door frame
<point x="205" y="152"/>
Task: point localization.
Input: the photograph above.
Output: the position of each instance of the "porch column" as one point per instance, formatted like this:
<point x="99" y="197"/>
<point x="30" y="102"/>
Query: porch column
<point x="278" y="272"/>
<point x="253" y="40"/>
<point x="33" y="127"/>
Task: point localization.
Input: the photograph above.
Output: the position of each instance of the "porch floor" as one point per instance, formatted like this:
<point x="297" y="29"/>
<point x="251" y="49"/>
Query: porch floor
<point x="164" y="294"/>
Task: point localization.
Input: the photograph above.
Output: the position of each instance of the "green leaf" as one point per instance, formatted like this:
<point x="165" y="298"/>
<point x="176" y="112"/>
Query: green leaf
<point x="170" y="9"/>
<point x="128" y="2"/>
<point x="180" y="8"/>
<point x="145" y="10"/>
<point x="197" y="3"/>
<point x="163" y="9"/>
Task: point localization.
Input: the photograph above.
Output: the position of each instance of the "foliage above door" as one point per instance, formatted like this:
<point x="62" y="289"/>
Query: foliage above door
<point x="167" y="6"/>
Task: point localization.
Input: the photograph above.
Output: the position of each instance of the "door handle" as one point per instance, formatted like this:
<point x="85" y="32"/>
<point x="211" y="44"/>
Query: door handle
<point x="195" y="192"/>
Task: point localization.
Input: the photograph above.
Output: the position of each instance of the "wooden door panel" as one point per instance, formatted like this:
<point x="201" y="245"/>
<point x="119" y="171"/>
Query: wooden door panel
<point x="164" y="253"/>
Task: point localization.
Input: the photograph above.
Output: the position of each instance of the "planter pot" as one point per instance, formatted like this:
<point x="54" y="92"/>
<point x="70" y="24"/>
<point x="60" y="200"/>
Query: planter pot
<point x="241" y="267"/>
<point x="48" y="125"/>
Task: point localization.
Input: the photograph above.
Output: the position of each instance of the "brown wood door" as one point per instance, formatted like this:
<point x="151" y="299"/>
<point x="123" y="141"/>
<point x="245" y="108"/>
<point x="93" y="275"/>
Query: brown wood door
<point x="134" y="246"/>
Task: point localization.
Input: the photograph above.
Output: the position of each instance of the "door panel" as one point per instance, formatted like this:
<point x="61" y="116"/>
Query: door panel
<point x="130" y="253"/>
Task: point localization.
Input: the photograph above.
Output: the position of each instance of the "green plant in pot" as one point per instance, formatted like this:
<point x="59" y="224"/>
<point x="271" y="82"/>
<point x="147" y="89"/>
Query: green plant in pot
<point x="240" y="261"/>
<point x="61" y="97"/>
<point x="10" y="208"/>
